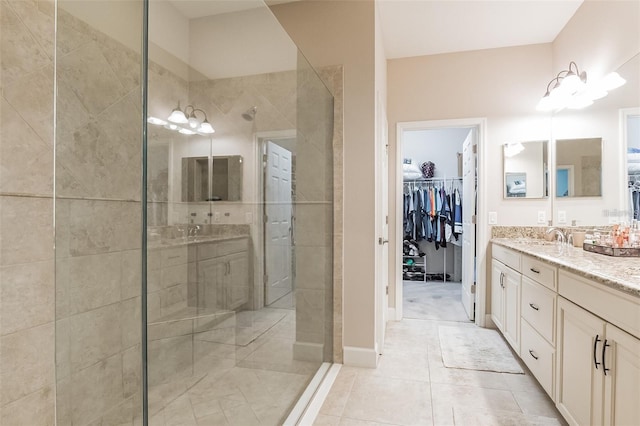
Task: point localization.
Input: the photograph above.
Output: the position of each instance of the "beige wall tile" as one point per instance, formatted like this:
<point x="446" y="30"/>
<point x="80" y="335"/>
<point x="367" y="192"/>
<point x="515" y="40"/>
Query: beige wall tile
<point x="88" y="72"/>
<point x="36" y="408"/>
<point x="95" y="390"/>
<point x="131" y="284"/>
<point x="309" y="312"/>
<point x="313" y="267"/>
<point x="26" y="296"/>
<point x="21" y="53"/>
<point x="95" y="335"/>
<point x="132" y="372"/>
<point x="27" y="230"/>
<point x="26" y="160"/>
<point x="90" y="281"/>
<point x="314" y="224"/>
<point x="38" y="16"/>
<point x="170" y="358"/>
<point x="26" y="362"/>
<point x="93" y="227"/>
<point x="131" y="321"/>
<point x="32" y="97"/>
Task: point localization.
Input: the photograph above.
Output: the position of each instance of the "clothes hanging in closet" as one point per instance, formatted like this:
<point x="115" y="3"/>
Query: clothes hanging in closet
<point x="432" y="212"/>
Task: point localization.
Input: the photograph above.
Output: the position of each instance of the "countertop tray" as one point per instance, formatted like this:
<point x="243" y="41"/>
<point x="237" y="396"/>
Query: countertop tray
<point x="612" y="251"/>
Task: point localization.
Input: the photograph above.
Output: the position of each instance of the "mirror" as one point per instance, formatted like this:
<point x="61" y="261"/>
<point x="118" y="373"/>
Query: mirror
<point x="217" y="178"/>
<point x="526" y="169"/>
<point x="606" y="121"/>
<point x="579" y="167"/>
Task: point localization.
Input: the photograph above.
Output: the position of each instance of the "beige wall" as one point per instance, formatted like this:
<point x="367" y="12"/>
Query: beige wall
<point x="27" y="281"/>
<point x="330" y="33"/>
<point x="500" y="84"/>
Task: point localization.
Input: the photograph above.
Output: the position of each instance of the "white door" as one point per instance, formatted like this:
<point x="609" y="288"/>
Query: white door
<point x="468" y="227"/>
<point x="383" y="227"/>
<point x="277" y="238"/>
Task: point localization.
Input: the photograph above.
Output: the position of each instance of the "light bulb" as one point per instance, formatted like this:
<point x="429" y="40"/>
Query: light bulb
<point x="170" y="126"/>
<point x="156" y="121"/>
<point x="177" y="116"/>
<point x="206" y="127"/>
<point x="186" y="131"/>
<point x="193" y="122"/>
<point x="571" y="84"/>
<point x="612" y="81"/>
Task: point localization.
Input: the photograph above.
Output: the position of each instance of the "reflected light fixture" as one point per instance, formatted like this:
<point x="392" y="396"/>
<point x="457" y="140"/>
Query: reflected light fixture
<point x="185" y="121"/>
<point x="569" y="89"/>
<point x="513" y="148"/>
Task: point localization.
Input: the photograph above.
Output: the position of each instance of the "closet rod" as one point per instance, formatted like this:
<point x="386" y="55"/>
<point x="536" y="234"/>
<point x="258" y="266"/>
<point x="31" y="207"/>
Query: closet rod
<point x="430" y="180"/>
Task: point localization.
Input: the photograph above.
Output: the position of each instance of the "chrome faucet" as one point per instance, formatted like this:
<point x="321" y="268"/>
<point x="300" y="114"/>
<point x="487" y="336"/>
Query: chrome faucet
<point x="559" y="233"/>
<point x="193" y="230"/>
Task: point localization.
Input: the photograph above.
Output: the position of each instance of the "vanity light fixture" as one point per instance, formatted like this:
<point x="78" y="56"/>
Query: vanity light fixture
<point x="185" y="121"/>
<point x="569" y="89"/>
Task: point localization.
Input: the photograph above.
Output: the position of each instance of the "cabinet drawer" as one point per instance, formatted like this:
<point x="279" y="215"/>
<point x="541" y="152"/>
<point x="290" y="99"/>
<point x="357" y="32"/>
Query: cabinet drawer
<point x="539" y="308"/>
<point x="611" y="305"/>
<point x="232" y="246"/>
<point x="506" y="256"/>
<point x="539" y="356"/>
<point x="207" y="251"/>
<point x="539" y="271"/>
<point x="174" y="256"/>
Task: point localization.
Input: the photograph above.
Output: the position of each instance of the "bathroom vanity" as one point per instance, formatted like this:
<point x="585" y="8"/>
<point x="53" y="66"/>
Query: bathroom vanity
<point x="573" y="317"/>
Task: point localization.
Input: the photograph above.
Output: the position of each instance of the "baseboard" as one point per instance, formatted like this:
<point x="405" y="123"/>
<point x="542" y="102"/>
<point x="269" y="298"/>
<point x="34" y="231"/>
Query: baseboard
<point x="360" y="357"/>
<point x="488" y="322"/>
<point x="305" y="351"/>
<point x="391" y="314"/>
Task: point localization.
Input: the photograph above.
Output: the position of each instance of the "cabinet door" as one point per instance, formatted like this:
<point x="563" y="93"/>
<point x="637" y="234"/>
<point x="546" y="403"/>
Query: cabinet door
<point x="211" y="282"/>
<point x="580" y="385"/>
<point x="237" y="282"/>
<point x="511" y="308"/>
<point x="622" y="382"/>
<point x="497" y="278"/>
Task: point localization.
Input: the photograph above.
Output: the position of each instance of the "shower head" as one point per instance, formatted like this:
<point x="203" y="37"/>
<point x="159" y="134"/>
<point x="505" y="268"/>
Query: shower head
<point x="250" y="114"/>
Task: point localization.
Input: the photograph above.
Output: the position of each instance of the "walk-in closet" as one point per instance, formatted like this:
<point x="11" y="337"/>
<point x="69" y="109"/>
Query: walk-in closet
<point x="433" y="242"/>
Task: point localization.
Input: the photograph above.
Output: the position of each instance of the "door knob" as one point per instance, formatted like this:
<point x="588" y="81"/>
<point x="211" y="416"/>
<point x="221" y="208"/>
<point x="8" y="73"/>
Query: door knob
<point x="382" y="241"/>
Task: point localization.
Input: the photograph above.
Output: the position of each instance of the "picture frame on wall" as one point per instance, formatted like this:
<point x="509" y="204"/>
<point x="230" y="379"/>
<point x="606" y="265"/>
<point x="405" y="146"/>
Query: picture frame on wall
<point x="515" y="185"/>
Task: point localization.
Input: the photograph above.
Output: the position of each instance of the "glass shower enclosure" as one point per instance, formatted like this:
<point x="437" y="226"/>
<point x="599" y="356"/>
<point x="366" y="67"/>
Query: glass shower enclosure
<point x="193" y="214"/>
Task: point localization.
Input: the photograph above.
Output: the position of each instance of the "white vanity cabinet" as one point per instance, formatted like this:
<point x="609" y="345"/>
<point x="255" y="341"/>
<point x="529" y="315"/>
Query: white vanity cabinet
<point x="224" y="273"/>
<point x="505" y="294"/>
<point x="598" y="379"/>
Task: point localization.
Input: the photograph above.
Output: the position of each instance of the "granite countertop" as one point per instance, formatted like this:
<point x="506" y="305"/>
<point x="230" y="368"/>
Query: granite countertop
<point x="620" y="273"/>
<point x="176" y="242"/>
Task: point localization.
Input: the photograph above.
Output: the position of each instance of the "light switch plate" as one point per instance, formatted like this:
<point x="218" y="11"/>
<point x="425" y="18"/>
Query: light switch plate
<point x="562" y="216"/>
<point x="542" y="216"/>
<point x="493" y="218"/>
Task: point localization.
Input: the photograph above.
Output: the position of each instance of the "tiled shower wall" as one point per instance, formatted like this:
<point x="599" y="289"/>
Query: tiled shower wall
<point x="26" y="214"/>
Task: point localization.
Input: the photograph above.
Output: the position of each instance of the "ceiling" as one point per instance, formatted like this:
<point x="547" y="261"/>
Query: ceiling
<point x="427" y="27"/>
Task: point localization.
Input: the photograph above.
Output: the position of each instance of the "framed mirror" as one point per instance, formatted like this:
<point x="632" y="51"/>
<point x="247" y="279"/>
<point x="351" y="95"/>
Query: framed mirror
<point x="526" y="169"/>
<point x="579" y="167"/>
<point x="217" y="178"/>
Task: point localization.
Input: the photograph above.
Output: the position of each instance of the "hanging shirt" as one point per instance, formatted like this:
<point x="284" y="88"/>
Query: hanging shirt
<point x="457" y="214"/>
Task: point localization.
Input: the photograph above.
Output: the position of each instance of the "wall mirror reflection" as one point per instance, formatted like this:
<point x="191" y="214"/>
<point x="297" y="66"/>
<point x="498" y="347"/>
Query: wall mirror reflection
<point x="526" y="169"/>
<point x="579" y="167"/>
<point x="217" y="178"/>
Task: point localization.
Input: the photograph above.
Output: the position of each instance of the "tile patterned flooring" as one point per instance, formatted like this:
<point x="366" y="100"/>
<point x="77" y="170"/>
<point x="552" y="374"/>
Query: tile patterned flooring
<point x="411" y="386"/>
<point x="244" y="374"/>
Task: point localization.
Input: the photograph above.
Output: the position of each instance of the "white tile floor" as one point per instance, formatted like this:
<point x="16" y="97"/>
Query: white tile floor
<point x="411" y="386"/>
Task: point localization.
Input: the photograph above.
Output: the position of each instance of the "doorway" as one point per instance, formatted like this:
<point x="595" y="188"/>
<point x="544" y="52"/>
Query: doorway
<point x="437" y="205"/>
<point x="278" y="195"/>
